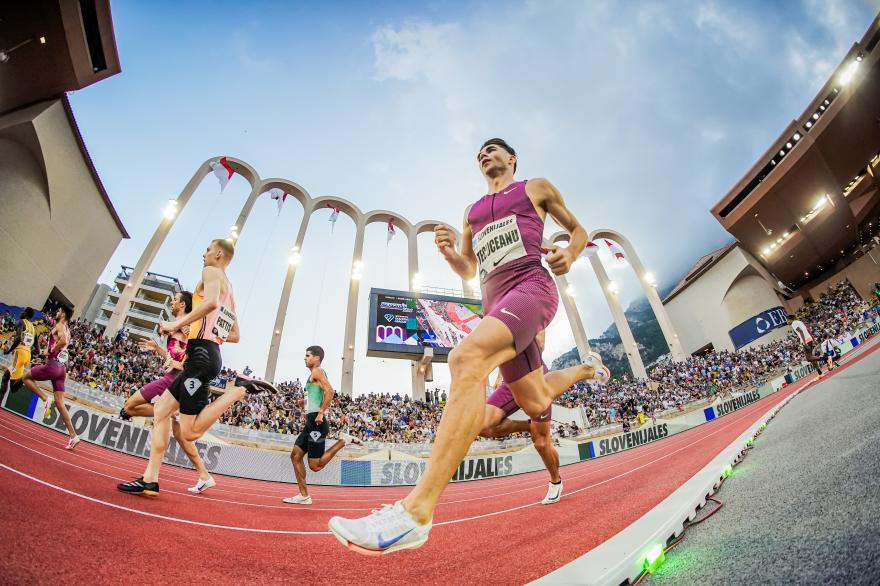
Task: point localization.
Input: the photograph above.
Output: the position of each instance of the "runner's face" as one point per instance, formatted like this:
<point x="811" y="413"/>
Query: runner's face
<point x="494" y="161"/>
<point x="176" y="305"/>
<point x="310" y="360"/>
<point x="212" y="254"/>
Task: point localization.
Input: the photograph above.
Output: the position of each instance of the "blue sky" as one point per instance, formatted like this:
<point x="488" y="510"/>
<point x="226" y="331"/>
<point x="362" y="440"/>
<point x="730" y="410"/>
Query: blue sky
<point x="643" y="114"/>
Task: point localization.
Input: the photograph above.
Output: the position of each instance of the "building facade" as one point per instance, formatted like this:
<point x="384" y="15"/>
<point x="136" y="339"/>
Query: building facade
<point x="150" y="304"/>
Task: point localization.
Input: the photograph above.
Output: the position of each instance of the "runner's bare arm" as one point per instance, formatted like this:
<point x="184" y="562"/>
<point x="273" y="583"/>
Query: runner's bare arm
<point x="234" y="334"/>
<point x="464" y="263"/>
<point x="61" y="339"/>
<point x="19" y="329"/>
<point x="211" y="282"/>
<point x="549" y="198"/>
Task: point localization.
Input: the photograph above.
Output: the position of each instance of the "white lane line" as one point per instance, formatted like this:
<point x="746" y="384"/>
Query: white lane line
<point x="185" y="494"/>
<point x="278" y="531"/>
<point x="157" y="516"/>
<point x="607" y="480"/>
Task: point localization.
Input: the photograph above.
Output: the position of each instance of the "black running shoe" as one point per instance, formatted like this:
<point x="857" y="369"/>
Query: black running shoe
<point x="123" y="415"/>
<point x="139" y="487"/>
<point x="253" y="386"/>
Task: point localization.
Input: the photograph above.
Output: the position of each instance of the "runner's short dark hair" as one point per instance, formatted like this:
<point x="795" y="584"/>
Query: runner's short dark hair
<point x="316" y="351"/>
<point x="503" y="144"/>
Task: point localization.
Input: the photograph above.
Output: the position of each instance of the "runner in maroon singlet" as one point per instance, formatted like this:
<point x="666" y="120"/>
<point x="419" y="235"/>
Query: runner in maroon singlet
<point x="140" y="404"/>
<point x="502" y="240"/>
<point x="53" y="370"/>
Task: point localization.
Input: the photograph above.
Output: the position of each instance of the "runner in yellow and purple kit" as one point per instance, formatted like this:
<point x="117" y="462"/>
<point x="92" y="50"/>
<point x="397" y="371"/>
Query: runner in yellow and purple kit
<point x="502" y="240"/>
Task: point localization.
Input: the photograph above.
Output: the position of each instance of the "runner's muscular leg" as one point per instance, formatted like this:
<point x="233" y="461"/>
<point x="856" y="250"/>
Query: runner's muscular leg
<point x="540" y="431"/>
<point x="162" y="411"/>
<point x="194" y="426"/>
<point x="470" y="363"/>
<point x="492" y="416"/>
<point x="317" y="464"/>
<point x="536" y="391"/>
<point x="137" y="406"/>
<point x="190" y="450"/>
<point x="62" y="411"/>
<point x="299" y="469"/>
<point x="31" y="384"/>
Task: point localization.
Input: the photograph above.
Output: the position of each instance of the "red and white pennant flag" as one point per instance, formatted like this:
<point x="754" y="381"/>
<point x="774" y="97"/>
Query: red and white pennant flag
<point x="279" y="196"/>
<point x="390" y="231"/>
<point x="616" y="250"/>
<point x="222" y="171"/>
<point x="590" y="249"/>
<point x="334" y="215"/>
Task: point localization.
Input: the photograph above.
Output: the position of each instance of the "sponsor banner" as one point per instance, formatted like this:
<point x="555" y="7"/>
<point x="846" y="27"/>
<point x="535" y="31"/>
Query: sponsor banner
<point x="632" y="439"/>
<point x="113" y="433"/>
<point x="731" y="405"/>
<point x="124" y="436"/>
<point x="757" y="326"/>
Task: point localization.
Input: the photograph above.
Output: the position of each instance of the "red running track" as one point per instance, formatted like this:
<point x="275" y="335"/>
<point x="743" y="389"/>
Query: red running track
<point x="65" y="506"/>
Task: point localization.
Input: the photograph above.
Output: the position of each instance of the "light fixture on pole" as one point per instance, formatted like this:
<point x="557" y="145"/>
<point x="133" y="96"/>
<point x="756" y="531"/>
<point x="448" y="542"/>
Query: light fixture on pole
<point x="170" y="209"/>
<point x="357" y="270"/>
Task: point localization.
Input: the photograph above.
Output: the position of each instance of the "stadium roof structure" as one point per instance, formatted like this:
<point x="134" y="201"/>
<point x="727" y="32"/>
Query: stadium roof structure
<point x="705" y="262"/>
<point x="811" y="200"/>
<point x="50" y="47"/>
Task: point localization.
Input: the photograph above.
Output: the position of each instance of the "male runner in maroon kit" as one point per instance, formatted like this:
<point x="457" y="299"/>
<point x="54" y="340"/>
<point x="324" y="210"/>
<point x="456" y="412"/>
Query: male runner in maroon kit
<point x="502" y="241"/>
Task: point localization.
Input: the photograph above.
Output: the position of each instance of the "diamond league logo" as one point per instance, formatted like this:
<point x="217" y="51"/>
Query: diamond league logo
<point x="389" y="317"/>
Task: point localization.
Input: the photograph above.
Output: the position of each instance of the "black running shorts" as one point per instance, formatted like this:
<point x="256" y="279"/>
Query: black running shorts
<point x="202" y="365"/>
<point x="313" y="438"/>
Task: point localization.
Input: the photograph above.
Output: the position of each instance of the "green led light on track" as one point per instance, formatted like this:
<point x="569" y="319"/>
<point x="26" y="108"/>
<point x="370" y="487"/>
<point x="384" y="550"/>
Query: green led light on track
<point x="655" y="557"/>
<point x="728" y="470"/>
<point x="750" y="441"/>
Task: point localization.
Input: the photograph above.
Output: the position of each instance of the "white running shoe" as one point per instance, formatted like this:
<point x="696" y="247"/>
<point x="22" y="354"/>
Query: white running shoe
<point x="203" y="485"/>
<point x="72" y="443"/>
<point x="601" y="373"/>
<point x="388" y="529"/>
<point x="298" y="500"/>
<point x="554" y="493"/>
<point x="350" y="439"/>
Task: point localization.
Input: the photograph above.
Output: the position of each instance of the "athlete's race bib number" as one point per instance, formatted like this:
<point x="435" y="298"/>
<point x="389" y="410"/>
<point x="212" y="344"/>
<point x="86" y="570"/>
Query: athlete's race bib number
<point x="225" y="321"/>
<point x="63" y="356"/>
<point x="27" y="339"/>
<point x="497" y="244"/>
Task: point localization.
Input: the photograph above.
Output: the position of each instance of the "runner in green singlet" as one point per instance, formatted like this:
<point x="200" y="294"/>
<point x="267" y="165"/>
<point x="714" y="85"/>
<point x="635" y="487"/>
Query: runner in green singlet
<point x="319" y="395"/>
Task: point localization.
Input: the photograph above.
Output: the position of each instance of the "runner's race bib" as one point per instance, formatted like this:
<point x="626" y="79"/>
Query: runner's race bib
<point x="497" y="244"/>
<point x="63" y="356"/>
<point x="27" y="339"/>
<point x="225" y="321"/>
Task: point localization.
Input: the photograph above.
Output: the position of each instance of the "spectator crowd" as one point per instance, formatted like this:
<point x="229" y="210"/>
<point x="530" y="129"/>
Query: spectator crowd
<point x="120" y="367"/>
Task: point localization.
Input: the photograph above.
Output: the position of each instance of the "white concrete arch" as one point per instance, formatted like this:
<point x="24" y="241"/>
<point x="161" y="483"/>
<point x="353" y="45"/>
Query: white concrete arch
<point x="649" y="286"/>
<point x="241" y="168"/>
<point x="581" y="340"/>
<point x="310" y="206"/>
